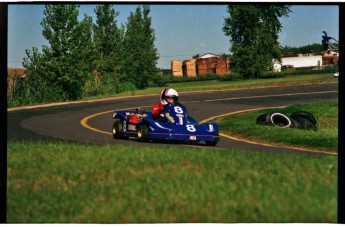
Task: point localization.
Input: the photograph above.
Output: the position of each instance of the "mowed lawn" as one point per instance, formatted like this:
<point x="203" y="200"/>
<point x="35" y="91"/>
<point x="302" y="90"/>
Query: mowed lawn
<point x="80" y="183"/>
<point x="191" y="86"/>
<point x="324" y="138"/>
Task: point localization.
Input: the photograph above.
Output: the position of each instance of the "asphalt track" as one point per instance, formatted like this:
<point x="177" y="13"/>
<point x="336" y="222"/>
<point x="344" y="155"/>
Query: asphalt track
<point x="91" y="121"/>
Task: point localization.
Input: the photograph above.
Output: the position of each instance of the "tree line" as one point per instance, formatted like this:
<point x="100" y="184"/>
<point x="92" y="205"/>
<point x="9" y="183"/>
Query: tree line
<point x="307" y="49"/>
<point x="89" y="58"/>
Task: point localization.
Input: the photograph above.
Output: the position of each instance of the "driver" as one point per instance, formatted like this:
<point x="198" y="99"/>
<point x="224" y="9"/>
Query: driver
<point x="167" y="96"/>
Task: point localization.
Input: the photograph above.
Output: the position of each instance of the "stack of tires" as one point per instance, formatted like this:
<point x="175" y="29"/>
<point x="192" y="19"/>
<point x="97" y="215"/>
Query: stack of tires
<point x="299" y="119"/>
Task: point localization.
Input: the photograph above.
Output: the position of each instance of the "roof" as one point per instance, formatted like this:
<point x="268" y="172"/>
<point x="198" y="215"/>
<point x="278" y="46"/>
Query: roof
<point x="208" y="55"/>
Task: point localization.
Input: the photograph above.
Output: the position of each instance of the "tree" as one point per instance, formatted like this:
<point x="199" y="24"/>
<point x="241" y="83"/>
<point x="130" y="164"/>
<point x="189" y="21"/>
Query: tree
<point x="108" y="40"/>
<point x="140" y="53"/>
<point x="150" y="54"/>
<point x="310" y="48"/>
<point x="61" y="70"/>
<point x="38" y="78"/>
<point x="83" y="47"/>
<point x="253" y="32"/>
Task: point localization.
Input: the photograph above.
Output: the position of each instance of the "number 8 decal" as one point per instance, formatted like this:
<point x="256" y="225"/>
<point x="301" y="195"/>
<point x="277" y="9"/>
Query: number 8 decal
<point x="178" y="110"/>
<point x="191" y="128"/>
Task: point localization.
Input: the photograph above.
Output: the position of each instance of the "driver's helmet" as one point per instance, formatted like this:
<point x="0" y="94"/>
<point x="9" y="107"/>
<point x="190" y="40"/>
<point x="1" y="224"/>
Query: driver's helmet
<point x="168" y="93"/>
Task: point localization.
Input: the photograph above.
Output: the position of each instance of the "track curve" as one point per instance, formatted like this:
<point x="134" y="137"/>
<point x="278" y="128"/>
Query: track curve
<point x="91" y="121"/>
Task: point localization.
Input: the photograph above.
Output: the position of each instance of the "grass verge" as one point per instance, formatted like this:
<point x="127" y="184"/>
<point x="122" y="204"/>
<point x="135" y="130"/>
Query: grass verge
<point x="189" y="86"/>
<point x="238" y="84"/>
<point x="79" y="183"/>
<point x="324" y="139"/>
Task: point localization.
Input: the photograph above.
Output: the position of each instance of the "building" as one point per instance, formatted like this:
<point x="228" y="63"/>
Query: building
<point x="176" y="68"/>
<point x="330" y="57"/>
<point x="298" y="61"/>
<point x="325" y="58"/>
<point x="189" y="68"/>
<point x="212" y="64"/>
<point x="303" y="61"/>
<point x="205" y="64"/>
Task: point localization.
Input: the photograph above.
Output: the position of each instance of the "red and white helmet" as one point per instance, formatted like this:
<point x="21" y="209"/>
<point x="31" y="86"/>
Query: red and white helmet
<point x="168" y="93"/>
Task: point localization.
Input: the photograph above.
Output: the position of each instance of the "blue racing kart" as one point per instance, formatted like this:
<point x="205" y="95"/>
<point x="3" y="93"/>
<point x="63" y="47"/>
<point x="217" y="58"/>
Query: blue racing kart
<point x="176" y="125"/>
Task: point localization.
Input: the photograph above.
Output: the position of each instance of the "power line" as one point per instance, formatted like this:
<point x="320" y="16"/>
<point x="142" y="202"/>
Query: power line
<point x="180" y="55"/>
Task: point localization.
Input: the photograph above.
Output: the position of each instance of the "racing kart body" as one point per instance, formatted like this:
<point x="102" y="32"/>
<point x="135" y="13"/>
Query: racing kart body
<point x="175" y="125"/>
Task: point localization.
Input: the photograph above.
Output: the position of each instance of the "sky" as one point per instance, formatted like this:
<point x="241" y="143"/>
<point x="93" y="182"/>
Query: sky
<point x="181" y="30"/>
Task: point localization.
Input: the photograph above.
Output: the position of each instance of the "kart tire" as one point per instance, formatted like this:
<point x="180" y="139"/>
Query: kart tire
<point x="264" y="119"/>
<point x="305" y="123"/>
<point x="304" y="114"/>
<point x="275" y="118"/>
<point x="142" y="133"/>
<point x="294" y="123"/>
<point x="211" y="143"/>
<point x="117" y="130"/>
<point x="281" y="120"/>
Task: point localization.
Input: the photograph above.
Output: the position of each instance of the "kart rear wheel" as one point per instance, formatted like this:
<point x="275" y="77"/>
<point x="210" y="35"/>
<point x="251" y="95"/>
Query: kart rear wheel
<point x="211" y="143"/>
<point x="117" y="130"/>
<point x="143" y="135"/>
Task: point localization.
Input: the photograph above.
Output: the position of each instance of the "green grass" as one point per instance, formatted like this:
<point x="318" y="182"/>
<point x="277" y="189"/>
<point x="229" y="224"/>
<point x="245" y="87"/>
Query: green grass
<point x="190" y="86"/>
<point x="324" y="139"/>
<point x="80" y="183"/>
<point x="238" y="84"/>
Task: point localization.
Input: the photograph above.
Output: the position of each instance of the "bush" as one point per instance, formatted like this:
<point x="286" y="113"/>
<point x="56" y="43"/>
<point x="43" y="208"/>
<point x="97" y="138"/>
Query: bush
<point x="312" y="70"/>
<point x="232" y="76"/>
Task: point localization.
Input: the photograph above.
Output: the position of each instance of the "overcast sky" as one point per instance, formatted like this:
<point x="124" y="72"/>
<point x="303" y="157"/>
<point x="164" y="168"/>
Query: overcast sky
<point x="181" y="30"/>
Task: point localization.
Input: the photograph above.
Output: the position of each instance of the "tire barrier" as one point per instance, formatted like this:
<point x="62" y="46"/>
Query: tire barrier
<point x="306" y="119"/>
<point x="275" y="118"/>
<point x="299" y="119"/>
<point x="304" y="114"/>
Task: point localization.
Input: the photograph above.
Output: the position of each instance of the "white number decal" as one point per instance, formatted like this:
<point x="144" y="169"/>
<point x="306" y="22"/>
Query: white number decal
<point x="180" y="120"/>
<point x="191" y="128"/>
<point x="178" y="110"/>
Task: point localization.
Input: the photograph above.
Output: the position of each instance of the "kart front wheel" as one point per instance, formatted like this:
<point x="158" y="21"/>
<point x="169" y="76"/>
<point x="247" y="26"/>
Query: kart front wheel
<point x="117" y="130"/>
<point x="143" y="135"/>
<point x="211" y="143"/>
